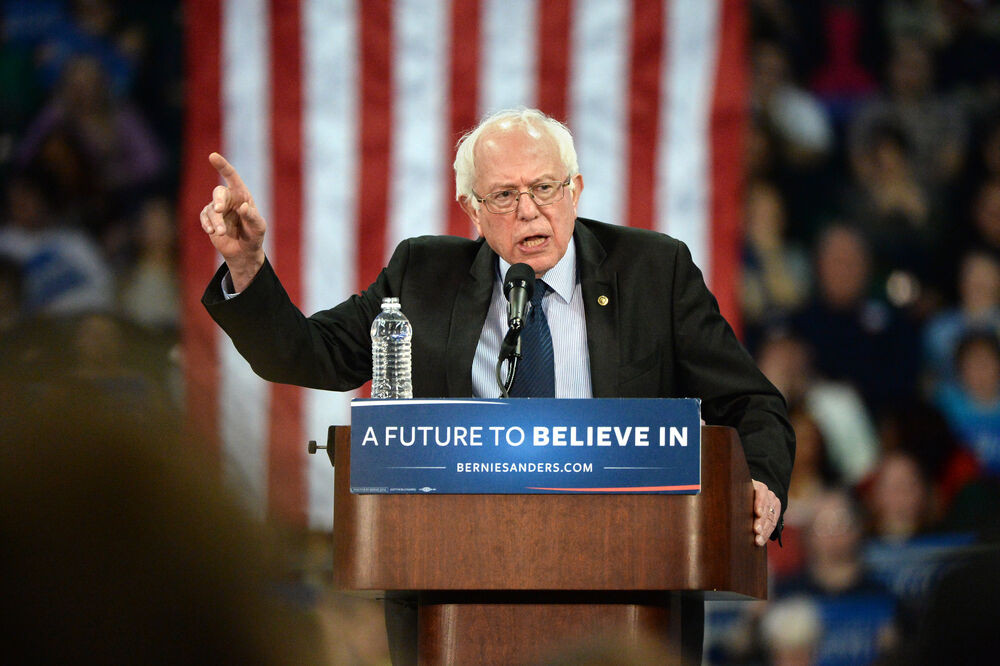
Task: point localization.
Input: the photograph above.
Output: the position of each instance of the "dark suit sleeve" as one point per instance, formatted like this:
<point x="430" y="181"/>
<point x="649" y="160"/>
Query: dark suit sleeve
<point x="712" y="364"/>
<point x="329" y="350"/>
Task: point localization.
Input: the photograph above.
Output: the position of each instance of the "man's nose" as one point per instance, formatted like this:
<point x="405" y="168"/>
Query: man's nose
<point x="526" y="206"/>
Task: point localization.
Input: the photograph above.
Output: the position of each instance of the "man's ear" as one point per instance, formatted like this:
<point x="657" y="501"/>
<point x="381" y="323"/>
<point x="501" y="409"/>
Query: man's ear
<point x="466" y="203"/>
<point x="577" y="189"/>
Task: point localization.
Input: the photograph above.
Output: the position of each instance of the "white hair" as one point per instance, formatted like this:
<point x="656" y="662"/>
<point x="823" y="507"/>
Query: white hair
<point x="533" y="121"/>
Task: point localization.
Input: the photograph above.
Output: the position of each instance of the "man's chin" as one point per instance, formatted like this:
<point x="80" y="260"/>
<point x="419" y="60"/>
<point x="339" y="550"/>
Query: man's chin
<point x="540" y="266"/>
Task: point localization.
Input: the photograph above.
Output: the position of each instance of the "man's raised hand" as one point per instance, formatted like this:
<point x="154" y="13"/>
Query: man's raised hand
<point x="234" y="224"/>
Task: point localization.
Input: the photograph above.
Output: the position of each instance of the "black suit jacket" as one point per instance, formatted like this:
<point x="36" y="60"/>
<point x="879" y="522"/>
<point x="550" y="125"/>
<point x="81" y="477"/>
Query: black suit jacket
<point x="659" y="334"/>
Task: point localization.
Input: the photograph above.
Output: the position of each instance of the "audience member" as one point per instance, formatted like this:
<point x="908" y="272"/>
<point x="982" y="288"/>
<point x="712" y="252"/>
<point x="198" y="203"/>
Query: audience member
<point x="776" y="273"/>
<point x="150" y="294"/>
<point x="62" y="270"/>
<point x="798" y="119"/>
<point x="933" y="126"/>
<point x="971" y="403"/>
<point x="842" y="78"/>
<point x="118" y="144"/>
<point x="978" y="309"/>
<point x="835" y="408"/>
<point x="855" y="338"/>
<point x="895" y="210"/>
<point x="857" y="610"/>
<point x="59" y="31"/>
<point x="834" y="567"/>
<point x="813" y="477"/>
<point x="986" y="216"/>
<point x="900" y="502"/>
<point x="918" y="429"/>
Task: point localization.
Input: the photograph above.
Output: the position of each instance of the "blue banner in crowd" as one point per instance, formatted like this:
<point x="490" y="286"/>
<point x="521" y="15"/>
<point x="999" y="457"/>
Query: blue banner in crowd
<point x="536" y="445"/>
<point x="911" y="569"/>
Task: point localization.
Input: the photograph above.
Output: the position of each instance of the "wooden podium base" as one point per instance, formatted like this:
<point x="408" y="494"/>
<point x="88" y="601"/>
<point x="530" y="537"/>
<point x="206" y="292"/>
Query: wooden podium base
<point x="526" y="629"/>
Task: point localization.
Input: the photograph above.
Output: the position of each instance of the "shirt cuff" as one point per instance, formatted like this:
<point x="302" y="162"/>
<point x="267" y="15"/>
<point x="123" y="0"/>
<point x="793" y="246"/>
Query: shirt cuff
<point x="228" y="290"/>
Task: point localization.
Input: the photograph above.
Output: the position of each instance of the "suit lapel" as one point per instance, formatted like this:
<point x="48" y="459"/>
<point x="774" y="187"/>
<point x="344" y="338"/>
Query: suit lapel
<point x="472" y="304"/>
<point x="599" y="285"/>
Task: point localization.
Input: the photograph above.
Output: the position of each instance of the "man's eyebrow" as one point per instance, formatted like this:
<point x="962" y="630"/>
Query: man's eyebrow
<point x="544" y="178"/>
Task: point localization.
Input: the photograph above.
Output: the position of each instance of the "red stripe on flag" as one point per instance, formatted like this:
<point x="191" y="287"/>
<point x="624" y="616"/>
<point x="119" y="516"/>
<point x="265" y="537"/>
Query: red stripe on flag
<point x="202" y="135"/>
<point x="464" y="82"/>
<point x="376" y="137"/>
<point x="553" y="56"/>
<point x="728" y="127"/>
<point x="644" y="111"/>
<point x="285" y="464"/>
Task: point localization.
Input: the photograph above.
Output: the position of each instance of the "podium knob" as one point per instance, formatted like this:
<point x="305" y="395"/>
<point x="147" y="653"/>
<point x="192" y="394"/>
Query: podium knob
<point x="330" y="446"/>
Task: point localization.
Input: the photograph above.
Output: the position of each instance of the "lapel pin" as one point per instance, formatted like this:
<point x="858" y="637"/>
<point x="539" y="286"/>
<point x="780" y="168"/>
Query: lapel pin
<point x="602" y="300"/>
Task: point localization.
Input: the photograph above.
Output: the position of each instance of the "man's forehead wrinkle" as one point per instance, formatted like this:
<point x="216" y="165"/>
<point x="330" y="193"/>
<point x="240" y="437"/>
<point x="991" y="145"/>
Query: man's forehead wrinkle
<point x="508" y="172"/>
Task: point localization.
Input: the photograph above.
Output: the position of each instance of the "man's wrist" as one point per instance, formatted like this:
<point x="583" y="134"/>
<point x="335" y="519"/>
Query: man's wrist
<point x="242" y="273"/>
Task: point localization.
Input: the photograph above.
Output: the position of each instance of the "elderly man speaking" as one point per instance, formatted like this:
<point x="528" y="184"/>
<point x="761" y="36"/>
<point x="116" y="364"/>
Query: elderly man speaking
<point x="627" y="311"/>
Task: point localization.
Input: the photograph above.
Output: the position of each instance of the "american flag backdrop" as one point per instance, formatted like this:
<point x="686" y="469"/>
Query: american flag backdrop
<point x="342" y="117"/>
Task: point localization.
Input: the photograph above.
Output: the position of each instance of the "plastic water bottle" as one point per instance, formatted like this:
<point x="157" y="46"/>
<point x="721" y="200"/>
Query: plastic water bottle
<point x="391" y="339"/>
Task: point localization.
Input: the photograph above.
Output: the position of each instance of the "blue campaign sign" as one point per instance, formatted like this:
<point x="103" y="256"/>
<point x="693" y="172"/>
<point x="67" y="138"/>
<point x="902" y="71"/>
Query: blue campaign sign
<point x="533" y="445"/>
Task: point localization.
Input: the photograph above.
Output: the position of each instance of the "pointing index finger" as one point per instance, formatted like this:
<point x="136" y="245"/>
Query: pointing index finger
<point x="227" y="171"/>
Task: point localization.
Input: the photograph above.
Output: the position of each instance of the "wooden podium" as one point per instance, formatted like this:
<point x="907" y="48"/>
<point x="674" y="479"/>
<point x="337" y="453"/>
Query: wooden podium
<point x="507" y="578"/>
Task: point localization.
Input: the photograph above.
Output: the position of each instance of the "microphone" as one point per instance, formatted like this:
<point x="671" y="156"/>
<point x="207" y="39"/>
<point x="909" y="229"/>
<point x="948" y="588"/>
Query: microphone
<point x="518" y="287"/>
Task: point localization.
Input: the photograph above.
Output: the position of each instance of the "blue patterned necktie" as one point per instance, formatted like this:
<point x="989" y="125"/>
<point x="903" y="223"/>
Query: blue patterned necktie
<point x="536" y="377"/>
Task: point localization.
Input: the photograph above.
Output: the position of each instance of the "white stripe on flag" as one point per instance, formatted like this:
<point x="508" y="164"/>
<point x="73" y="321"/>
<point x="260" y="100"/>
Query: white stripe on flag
<point x="686" y="103"/>
<point x="508" y="74"/>
<point x="419" y="116"/>
<point x="329" y="179"/>
<point x="244" y="397"/>
<point x="598" y="104"/>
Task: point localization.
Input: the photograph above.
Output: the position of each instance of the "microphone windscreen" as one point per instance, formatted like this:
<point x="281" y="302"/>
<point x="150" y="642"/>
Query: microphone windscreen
<point x="521" y="275"/>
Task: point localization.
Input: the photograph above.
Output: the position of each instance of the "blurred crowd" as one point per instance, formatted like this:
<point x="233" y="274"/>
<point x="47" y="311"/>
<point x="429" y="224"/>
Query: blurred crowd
<point x="871" y="298"/>
<point x="89" y="140"/>
<point x="870" y="292"/>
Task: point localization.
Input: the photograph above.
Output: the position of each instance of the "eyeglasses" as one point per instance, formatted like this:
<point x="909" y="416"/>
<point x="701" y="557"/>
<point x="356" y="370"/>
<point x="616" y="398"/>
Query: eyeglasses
<point x="506" y="200"/>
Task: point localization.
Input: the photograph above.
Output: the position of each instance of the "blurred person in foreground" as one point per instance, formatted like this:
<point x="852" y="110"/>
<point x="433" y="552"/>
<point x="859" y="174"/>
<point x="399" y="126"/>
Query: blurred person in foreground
<point x="959" y="625"/>
<point x="119" y="546"/>
<point x="518" y="180"/>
